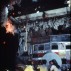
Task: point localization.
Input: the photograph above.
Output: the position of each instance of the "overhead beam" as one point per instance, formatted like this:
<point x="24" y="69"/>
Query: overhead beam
<point x="50" y="13"/>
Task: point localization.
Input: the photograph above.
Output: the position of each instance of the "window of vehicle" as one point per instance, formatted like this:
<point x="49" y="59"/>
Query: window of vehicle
<point x="68" y="46"/>
<point x="54" y="46"/>
<point x="47" y="46"/>
<point x="35" y="47"/>
<point x="41" y="47"/>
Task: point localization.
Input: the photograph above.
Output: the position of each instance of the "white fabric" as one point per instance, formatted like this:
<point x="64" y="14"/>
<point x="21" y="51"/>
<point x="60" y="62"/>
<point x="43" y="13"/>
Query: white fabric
<point x="54" y="68"/>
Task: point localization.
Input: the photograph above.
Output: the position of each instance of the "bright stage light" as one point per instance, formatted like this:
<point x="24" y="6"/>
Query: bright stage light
<point x="69" y="3"/>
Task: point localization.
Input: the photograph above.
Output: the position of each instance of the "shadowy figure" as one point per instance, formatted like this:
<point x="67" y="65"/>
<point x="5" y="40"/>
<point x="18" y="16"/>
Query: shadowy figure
<point x="54" y="65"/>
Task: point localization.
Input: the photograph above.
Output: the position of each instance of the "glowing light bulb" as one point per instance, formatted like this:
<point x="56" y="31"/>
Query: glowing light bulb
<point x="37" y="11"/>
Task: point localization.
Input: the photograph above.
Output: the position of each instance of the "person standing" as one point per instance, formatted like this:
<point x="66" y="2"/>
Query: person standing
<point x="54" y="65"/>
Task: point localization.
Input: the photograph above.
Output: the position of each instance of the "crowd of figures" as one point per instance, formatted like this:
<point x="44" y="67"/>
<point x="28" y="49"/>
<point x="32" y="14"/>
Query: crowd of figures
<point x="53" y="26"/>
<point x="37" y="29"/>
<point x="53" y="66"/>
<point x="49" y="31"/>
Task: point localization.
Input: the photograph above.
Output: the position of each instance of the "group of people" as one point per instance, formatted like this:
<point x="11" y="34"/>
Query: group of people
<point x="53" y="66"/>
<point x="49" y="31"/>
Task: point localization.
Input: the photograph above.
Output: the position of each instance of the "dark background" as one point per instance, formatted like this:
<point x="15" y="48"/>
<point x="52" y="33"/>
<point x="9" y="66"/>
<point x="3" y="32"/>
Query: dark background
<point x="28" y="6"/>
<point x="8" y="49"/>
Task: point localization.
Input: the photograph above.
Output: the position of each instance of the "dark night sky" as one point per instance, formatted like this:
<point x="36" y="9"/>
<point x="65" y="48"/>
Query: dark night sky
<point x="28" y="7"/>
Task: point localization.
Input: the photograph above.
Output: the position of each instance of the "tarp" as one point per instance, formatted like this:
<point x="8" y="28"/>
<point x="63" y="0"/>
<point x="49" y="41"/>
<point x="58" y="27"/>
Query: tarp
<point x="50" y="56"/>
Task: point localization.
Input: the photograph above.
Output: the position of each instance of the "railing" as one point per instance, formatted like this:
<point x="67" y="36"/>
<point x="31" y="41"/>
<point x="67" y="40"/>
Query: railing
<point x="51" y="38"/>
<point x="58" y="38"/>
<point x="40" y="39"/>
